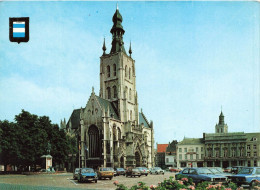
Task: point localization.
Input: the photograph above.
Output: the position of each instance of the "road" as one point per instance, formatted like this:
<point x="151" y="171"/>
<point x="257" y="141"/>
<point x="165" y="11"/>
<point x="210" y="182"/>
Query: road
<point x="65" y="181"/>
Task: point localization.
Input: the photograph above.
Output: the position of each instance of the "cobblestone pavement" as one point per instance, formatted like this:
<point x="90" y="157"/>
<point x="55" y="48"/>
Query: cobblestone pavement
<point x="65" y="181"/>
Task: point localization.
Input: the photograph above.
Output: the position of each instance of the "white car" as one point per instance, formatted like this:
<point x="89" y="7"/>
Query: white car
<point x="157" y="170"/>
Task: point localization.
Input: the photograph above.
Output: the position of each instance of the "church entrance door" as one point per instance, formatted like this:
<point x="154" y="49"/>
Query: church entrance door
<point x="137" y="159"/>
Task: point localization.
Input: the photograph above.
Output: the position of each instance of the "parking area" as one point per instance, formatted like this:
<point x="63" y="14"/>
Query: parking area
<point x="52" y="181"/>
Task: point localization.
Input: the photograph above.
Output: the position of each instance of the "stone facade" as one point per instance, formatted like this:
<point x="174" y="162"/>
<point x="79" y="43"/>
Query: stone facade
<point x="190" y="152"/>
<point x="112" y="130"/>
<point x="224" y="149"/>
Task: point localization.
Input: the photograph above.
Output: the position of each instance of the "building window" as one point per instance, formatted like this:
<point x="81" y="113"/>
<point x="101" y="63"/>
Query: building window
<point x="180" y="149"/>
<point x="197" y="149"/>
<point x="201" y="149"/>
<point x="115" y="92"/>
<point x="248" y="154"/>
<point x="217" y="153"/>
<point x="125" y="71"/>
<point x="197" y="156"/>
<point x="248" y="147"/>
<point x="233" y="153"/>
<point x="255" y="153"/>
<point x="108" y="71"/>
<point x="255" y="163"/>
<point x="167" y="160"/>
<point x="191" y="156"/>
<point x="108" y="93"/>
<point x="221" y="130"/>
<point x="180" y="156"/>
<point x="185" y="156"/>
<point x="202" y="156"/>
<point x="254" y="147"/>
<point x="248" y="163"/>
<point x="129" y="73"/>
<point x="114" y="69"/>
<point x="185" y="149"/>
<point x="130" y="94"/>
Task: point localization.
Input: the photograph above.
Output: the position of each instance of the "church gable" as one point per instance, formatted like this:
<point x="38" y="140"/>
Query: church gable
<point x="143" y="120"/>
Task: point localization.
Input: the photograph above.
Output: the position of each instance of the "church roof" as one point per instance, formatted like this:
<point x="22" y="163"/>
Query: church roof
<point x="75" y="119"/>
<point x="142" y="119"/>
<point x="105" y="104"/>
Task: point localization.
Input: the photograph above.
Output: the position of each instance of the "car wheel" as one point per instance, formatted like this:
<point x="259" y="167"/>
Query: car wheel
<point x="95" y="181"/>
<point x="111" y="178"/>
<point x="156" y="173"/>
<point x="146" y="174"/>
<point x="253" y="184"/>
<point x="139" y="175"/>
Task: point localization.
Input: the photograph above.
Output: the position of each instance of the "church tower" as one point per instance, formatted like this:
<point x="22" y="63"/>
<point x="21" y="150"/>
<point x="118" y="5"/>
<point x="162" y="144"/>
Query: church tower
<point x="221" y="127"/>
<point x="117" y="74"/>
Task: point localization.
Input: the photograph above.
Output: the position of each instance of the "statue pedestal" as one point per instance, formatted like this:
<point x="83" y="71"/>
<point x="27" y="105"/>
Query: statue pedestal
<point x="47" y="161"/>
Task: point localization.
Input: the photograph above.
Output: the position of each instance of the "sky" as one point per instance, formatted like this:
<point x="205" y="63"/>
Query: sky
<point x="193" y="58"/>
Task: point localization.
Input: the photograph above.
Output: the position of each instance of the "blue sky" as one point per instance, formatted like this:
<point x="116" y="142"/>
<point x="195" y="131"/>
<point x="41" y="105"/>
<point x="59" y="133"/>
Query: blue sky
<point x="191" y="59"/>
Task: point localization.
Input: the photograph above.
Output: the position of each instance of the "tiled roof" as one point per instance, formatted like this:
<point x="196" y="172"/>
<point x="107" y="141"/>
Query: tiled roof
<point x="187" y="141"/>
<point x="142" y="119"/>
<point x="161" y="147"/>
<point x="107" y="104"/>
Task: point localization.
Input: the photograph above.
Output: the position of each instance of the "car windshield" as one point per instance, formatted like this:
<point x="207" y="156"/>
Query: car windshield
<point x="106" y="169"/>
<point x="214" y="170"/>
<point x="77" y="169"/>
<point x="135" y="170"/>
<point x="157" y="168"/>
<point x="204" y="171"/>
<point x="87" y="170"/>
<point x="220" y="170"/>
<point x="120" y="169"/>
<point x="246" y="171"/>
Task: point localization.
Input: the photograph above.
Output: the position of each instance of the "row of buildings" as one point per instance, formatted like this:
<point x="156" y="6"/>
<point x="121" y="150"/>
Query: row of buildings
<point x="219" y="149"/>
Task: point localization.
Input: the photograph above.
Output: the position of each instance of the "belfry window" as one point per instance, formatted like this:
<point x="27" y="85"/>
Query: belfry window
<point x="129" y="73"/>
<point x="108" y="71"/>
<point x="115" y="92"/>
<point x="108" y="93"/>
<point x="125" y="71"/>
<point x="114" y="69"/>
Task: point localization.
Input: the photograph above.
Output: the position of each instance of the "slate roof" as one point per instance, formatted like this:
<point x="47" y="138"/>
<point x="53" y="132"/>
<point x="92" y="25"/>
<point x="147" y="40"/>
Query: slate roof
<point x="191" y="141"/>
<point x="75" y="119"/>
<point x="142" y="119"/>
<point x="107" y="104"/>
<point x="172" y="146"/>
<point x="161" y="148"/>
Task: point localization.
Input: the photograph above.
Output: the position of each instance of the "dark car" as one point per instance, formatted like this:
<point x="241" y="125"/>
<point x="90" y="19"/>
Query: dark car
<point x="120" y="171"/>
<point x="201" y="174"/>
<point x="87" y="174"/>
<point x="248" y="176"/>
<point x="143" y="170"/>
<point x="132" y="172"/>
<point x="236" y="169"/>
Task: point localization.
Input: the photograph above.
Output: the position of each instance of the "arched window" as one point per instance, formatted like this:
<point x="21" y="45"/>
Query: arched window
<point x="126" y="92"/>
<point x="108" y="93"/>
<point x="115" y="92"/>
<point x="126" y="71"/>
<point x="94" y="142"/>
<point x="130" y="93"/>
<point x="108" y="71"/>
<point x="114" y="69"/>
<point x="131" y="115"/>
<point x="129" y="73"/>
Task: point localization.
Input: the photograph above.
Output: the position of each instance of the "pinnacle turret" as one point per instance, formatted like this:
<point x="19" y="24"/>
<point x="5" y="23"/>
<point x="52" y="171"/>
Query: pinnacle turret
<point x="104" y="47"/>
<point x="130" y="50"/>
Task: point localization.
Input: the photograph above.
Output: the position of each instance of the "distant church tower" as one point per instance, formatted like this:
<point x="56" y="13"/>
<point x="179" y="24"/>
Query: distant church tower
<point x="221" y="127"/>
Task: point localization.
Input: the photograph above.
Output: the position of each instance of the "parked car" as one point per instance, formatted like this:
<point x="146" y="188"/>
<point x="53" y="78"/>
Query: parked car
<point x="157" y="170"/>
<point x="132" y="172"/>
<point x="247" y="176"/>
<point x="105" y="172"/>
<point x="120" y="171"/>
<point x="75" y="174"/>
<point x="87" y="174"/>
<point x="201" y="174"/>
<point x="219" y="171"/>
<point x="174" y="169"/>
<point x="143" y="170"/>
<point x="228" y="169"/>
<point x="236" y="169"/>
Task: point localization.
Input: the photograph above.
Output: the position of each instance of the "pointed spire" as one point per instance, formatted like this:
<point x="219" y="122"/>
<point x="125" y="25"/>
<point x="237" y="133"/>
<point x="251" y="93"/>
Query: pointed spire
<point x="130" y="49"/>
<point x="221" y="118"/>
<point x="93" y="92"/>
<point x="104" y="47"/>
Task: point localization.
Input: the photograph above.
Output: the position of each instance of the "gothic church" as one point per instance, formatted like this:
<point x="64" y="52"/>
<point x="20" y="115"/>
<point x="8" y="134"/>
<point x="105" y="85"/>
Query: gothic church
<point x="112" y="131"/>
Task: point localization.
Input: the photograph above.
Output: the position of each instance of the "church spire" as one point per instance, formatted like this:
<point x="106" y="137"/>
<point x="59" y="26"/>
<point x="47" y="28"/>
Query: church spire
<point x="104" y="47"/>
<point x="221" y="119"/>
<point x="130" y="50"/>
<point x="117" y="32"/>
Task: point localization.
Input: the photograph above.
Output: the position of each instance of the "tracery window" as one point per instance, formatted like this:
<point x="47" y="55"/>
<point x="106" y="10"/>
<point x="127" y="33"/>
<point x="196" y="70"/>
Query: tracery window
<point x="94" y="142"/>
<point x="115" y="92"/>
<point x="108" y="93"/>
